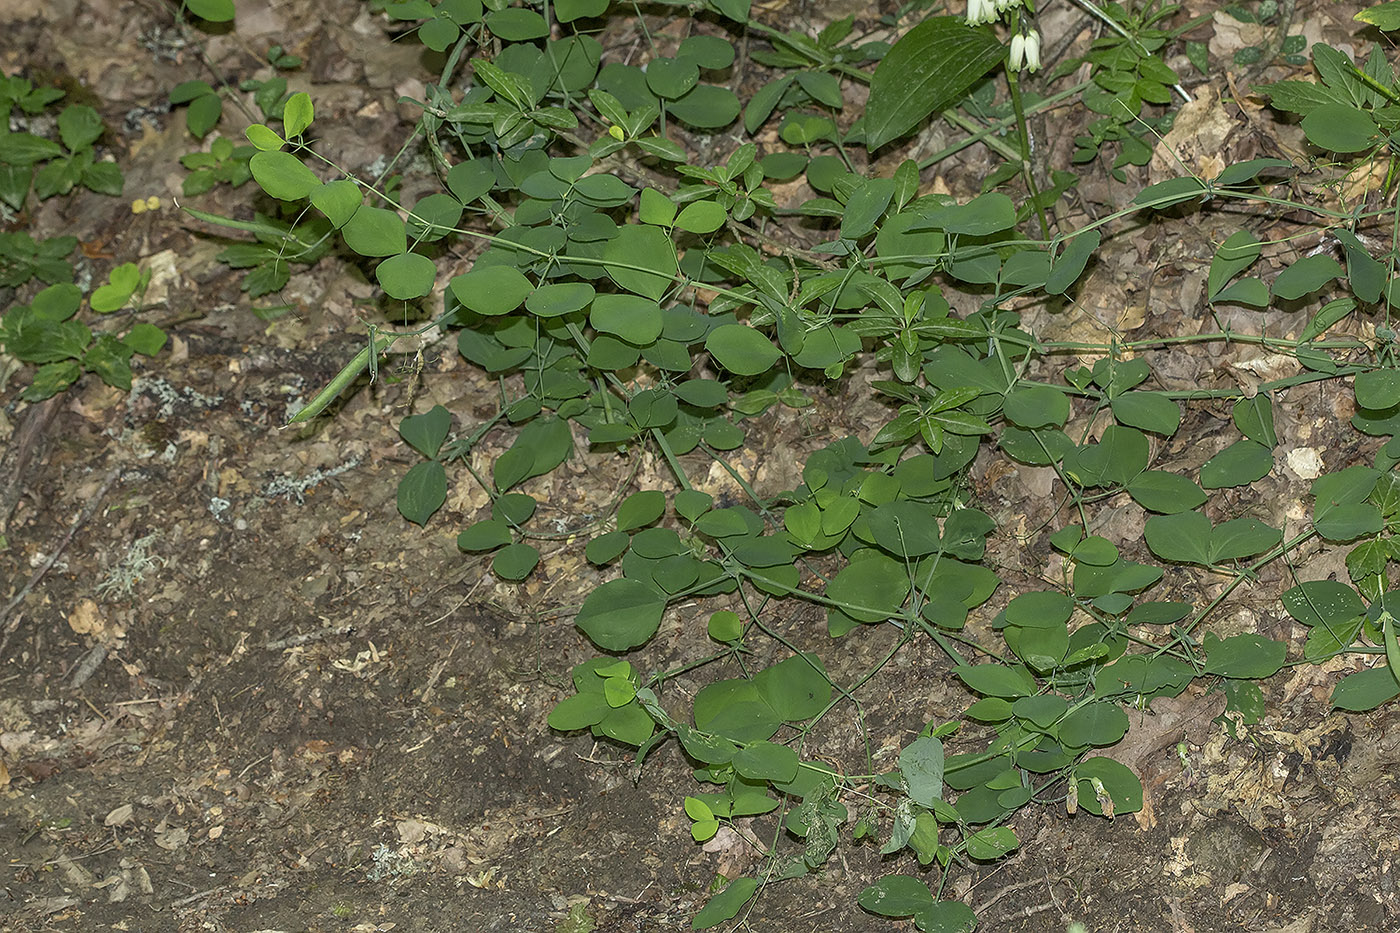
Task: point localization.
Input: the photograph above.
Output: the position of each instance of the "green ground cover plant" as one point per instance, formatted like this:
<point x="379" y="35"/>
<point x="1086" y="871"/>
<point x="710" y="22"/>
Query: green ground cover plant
<point x="594" y="230"/>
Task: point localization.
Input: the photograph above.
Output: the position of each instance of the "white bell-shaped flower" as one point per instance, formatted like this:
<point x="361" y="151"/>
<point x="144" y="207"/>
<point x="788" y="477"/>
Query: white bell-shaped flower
<point x="1018" y="53"/>
<point x="1032" y="51"/>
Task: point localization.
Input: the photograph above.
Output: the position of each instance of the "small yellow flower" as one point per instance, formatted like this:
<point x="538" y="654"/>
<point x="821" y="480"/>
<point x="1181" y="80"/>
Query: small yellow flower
<point x="141" y="205"/>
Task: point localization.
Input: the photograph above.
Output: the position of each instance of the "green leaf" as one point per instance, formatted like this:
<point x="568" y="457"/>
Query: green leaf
<point x="1378" y="388"/>
<point x="374" y="232"/>
<point x="872" y="589"/>
<point x="215" y="11"/>
<point x="640" y="509"/>
<point x="1069" y="265"/>
<point x="1384" y="17"/>
<point x="896" y="896"/>
<point x="406" y="276"/>
<point x="606" y="547"/>
<point x="1244" y="656"/>
<point x="1306" y="276"/>
<point x="1323" y="603"/>
<point x="297" y="114"/>
<point x="422" y="491"/>
<point x="578" y="712"/>
<point x="1240" y="538"/>
<point x="866" y="206"/>
<point x="484" y="536"/>
<point x="707" y="106"/>
<point x="1236" y="254"/>
<point x="946" y="917"/>
<point x="1255" y="419"/>
<point x="559" y="299"/>
<point x="992" y="842"/>
<point x="741" y="349"/>
<point x="621" y="614"/>
<point x="282" y="175"/>
<point x="1036" y="407"/>
<point x="997" y="680"/>
<point x="1341" y="128"/>
<point x="1158" y="491"/>
<point x="1240" y="464"/>
<point x="726" y="904"/>
<point x="1121" y="784"/>
<point x="1340" y="512"/>
<point x="1169" y="192"/>
<point x="921" y="764"/>
<point x="515" y="562"/>
<point x="146" y="339"/>
<point x="1364" y="691"/>
<point x="492" y="290"/>
<point x="338" y="200"/>
<point x="426" y="432"/>
<point x="1184" y="537"/>
<point x="766" y="761"/>
<point x="1148" y="411"/>
<point x="927" y="70"/>
<point x="635" y="319"/>
<point x="641" y="259"/>
<point x="515" y="24"/>
<point x="701" y="217"/>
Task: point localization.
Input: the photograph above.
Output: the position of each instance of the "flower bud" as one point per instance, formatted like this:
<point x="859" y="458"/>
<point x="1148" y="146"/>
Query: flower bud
<point x="1018" y="52"/>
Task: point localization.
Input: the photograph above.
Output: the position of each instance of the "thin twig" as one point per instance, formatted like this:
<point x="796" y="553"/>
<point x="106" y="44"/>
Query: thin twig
<point x="93" y="502"/>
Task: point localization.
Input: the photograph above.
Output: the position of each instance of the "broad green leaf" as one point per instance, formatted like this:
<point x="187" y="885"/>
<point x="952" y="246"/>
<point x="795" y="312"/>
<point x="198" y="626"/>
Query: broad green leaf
<point x="727" y="903"/>
<point x="1159" y="491"/>
<point x="1384" y="17"/>
<point x="1340" y="512"/>
<point x="794" y="689"/>
<point x="1244" y="656"/>
<point x="1364" y="691"/>
<point x="921" y="764"/>
<point x="1378" y="388"/>
<point x="633" y="318"/>
<point x="1236" y="254"/>
<point x="1306" y="276"/>
<point x="871" y="590"/>
<point x="606" y="547"/>
<point x="426" y="432"/>
<point x="1325" y="603"/>
<point x="1036" y="407"/>
<point x="297" y="114"/>
<point x="707" y="106"/>
<point x="1066" y="268"/>
<point x="375" y="231"/>
<point x="559" y="299"/>
<point x="1239" y="538"/>
<point x="422" y="491"/>
<point x="485" y="536"/>
<point x="1119" y="782"/>
<point x="904" y="528"/>
<point x="1255" y="419"/>
<point x="338" y="200"/>
<point x="640" y="509"/>
<point x="1183" y="537"/>
<point x="766" y="761"/>
<point x="927" y="70"/>
<point x="1147" y="411"/>
<point x="283" y="175"/>
<point x="215" y="11"/>
<point x="992" y="842"/>
<point x="491" y="290"/>
<point x="946" y="917"/>
<point x="866" y="206"/>
<point x="621" y="614"/>
<point x="997" y="680"/>
<point x="406" y="276"/>
<point x="642" y="260"/>
<point x="515" y="562"/>
<point x="896" y="896"/>
<point x="701" y="217"/>
<point x="741" y="349"/>
<point x="578" y="712"/>
<point x="1240" y="464"/>
<point x="1341" y="128"/>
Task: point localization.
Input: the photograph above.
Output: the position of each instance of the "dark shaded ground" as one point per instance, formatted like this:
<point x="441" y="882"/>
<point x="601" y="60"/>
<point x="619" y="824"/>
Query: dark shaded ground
<point x="296" y="712"/>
